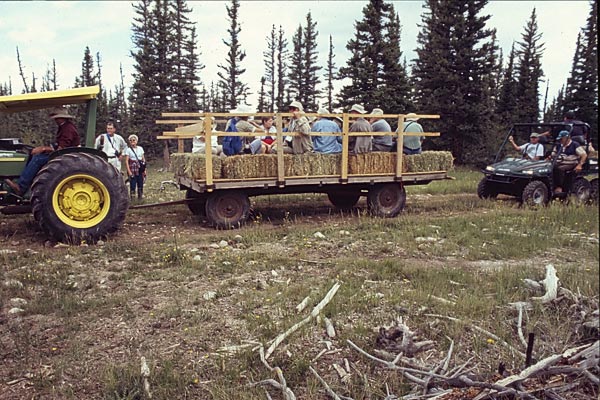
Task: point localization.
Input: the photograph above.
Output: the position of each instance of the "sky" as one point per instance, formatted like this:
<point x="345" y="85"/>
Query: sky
<point x="60" y="30"/>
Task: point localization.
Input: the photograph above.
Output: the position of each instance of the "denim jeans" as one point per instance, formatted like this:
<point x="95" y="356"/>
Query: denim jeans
<point x="408" y="151"/>
<point x="31" y="169"/>
<point x="136" y="180"/>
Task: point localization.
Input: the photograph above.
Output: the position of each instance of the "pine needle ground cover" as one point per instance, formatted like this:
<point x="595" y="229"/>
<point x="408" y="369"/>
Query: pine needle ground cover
<point x="306" y="165"/>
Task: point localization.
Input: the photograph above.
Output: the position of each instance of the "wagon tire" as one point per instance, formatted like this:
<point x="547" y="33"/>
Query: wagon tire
<point x="386" y="200"/>
<point x="227" y="209"/>
<point x="198" y="205"/>
<point x="343" y="200"/>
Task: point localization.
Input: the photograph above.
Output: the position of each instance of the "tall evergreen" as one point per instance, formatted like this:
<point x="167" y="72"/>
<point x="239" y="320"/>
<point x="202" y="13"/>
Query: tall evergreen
<point x="270" y="70"/>
<point x="377" y="77"/>
<point x="453" y="68"/>
<point x="296" y="70"/>
<point x="310" y="73"/>
<point x="230" y="74"/>
<point x="282" y="58"/>
<point x="506" y="107"/>
<point x="262" y="102"/>
<point x="330" y="75"/>
<point x="529" y="71"/>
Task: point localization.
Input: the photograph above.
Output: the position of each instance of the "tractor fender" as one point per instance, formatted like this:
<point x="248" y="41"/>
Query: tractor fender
<point x="87" y="150"/>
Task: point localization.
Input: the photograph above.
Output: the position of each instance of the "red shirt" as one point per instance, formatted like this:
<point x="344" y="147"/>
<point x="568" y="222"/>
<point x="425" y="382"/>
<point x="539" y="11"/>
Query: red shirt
<point x="67" y="135"/>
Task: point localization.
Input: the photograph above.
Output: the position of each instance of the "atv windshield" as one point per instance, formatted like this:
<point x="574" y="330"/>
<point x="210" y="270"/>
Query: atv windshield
<point x="521" y="134"/>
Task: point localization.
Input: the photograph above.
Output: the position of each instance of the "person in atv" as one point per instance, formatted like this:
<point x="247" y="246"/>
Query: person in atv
<point x="533" y="150"/>
<point x="66" y="136"/>
<point x="567" y="152"/>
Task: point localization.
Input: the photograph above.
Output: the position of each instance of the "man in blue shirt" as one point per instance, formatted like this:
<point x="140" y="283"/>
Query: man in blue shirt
<point x="326" y="144"/>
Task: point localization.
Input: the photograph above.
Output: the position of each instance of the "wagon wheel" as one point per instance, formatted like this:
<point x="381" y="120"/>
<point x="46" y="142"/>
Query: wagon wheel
<point x="386" y="200"/>
<point x="198" y="205"/>
<point x="344" y="200"/>
<point x="228" y="209"/>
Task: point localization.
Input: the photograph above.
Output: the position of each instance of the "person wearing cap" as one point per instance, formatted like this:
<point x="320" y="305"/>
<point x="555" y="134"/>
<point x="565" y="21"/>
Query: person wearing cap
<point x="412" y="144"/>
<point x="533" y="150"/>
<point x="378" y="124"/>
<point x="360" y="144"/>
<point x="112" y="144"/>
<point x="326" y="144"/>
<point x="300" y="128"/>
<point x="567" y="152"/>
<point x="66" y="136"/>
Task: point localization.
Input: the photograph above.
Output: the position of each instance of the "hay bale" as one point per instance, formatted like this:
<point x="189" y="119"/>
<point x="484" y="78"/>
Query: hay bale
<point x="250" y="166"/>
<point x="265" y="165"/>
<point x="193" y="165"/>
<point x="372" y="163"/>
<point x="429" y="161"/>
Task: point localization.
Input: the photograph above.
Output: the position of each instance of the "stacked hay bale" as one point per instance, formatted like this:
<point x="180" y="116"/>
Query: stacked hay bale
<point x="307" y="165"/>
<point x="193" y="165"/>
<point x="428" y="161"/>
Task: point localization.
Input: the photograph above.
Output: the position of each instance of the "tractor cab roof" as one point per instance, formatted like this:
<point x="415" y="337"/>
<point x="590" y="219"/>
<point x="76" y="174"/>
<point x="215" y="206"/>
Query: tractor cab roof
<point x="50" y="99"/>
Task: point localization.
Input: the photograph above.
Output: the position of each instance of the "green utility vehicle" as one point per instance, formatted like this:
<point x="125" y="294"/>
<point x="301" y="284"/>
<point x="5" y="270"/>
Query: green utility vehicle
<point x="77" y="196"/>
<point x="533" y="182"/>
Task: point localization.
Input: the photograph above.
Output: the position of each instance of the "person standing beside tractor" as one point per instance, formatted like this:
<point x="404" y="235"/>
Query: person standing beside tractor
<point x="136" y="166"/>
<point x="66" y="136"/>
<point x="112" y="144"/>
<point x="533" y="150"/>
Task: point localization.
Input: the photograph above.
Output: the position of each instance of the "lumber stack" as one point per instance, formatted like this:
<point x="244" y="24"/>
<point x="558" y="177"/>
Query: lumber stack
<point x="307" y="165"/>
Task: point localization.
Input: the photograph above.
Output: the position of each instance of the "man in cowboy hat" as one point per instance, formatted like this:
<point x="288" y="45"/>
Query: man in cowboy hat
<point x="360" y="144"/>
<point x="326" y="144"/>
<point x="301" y="141"/>
<point x="378" y="124"/>
<point x="66" y="136"/>
<point x="412" y="144"/>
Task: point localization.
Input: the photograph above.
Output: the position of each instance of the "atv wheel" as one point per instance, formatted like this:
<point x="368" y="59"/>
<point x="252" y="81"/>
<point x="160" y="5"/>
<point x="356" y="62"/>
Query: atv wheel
<point x="486" y="190"/>
<point x="343" y="200"/>
<point x="228" y="209"/>
<point x="535" y="194"/>
<point x="198" y="206"/>
<point x="79" y="197"/>
<point x="386" y="200"/>
<point x="580" y="191"/>
<point x="594" y="191"/>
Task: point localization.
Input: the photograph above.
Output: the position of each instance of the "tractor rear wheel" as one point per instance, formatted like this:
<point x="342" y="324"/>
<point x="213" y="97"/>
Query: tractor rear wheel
<point x="227" y="209"/>
<point x="535" y="194"/>
<point x="79" y="197"/>
<point x="386" y="200"/>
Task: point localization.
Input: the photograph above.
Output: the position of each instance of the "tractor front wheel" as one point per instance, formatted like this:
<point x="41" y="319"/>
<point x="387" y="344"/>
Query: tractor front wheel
<point x="79" y="197"/>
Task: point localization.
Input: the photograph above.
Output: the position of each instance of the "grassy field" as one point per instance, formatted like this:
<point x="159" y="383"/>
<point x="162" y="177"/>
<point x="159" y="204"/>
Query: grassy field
<point x="173" y="290"/>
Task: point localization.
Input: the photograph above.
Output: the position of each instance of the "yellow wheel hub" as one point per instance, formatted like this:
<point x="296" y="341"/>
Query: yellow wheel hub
<point x="81" y="201"/>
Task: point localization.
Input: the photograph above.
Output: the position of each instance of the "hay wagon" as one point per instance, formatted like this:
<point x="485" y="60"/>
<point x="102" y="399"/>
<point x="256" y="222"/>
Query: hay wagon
<point x="220" y="187"/>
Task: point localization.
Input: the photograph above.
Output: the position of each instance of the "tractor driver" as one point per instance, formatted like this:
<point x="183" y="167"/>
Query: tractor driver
<point x="533" y="150"/>
<point x="66" y="136"/>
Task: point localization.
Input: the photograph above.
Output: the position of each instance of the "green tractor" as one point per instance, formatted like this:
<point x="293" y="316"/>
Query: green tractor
<point x="532" y="182"/>
<point x="77" y="196"/>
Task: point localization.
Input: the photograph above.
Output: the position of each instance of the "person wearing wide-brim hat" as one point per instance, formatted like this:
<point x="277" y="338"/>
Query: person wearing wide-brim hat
<point x="360" y="144"/>
<point x="326" y="144"/>
<point x="299" y="127"/>
<point x="412" y="144"/>
<point x="66" y="136"/>
<point x="378" y="124"/>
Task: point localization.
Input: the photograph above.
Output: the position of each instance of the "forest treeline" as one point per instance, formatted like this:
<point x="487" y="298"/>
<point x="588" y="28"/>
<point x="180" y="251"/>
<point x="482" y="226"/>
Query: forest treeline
<point x="459" y="72"/>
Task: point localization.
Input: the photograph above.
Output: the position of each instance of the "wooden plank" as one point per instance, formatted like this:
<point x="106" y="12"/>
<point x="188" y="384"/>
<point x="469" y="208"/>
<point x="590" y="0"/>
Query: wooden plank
<point x="399" y="146"/>
<point x="180" y="145"/>
<point x="279" y="141"/>
<point x="345" y="145"/>
<point x="208" y="152"/>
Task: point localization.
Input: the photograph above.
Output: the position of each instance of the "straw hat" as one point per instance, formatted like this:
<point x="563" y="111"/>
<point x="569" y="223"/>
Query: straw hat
<point x="297" y="105"/>
<point x="60" y="113"/>
<point x="377" y="111"/>
<point x="323" y="110"/>
<point x="358" y="108"/>
<point x="411" y="117"/>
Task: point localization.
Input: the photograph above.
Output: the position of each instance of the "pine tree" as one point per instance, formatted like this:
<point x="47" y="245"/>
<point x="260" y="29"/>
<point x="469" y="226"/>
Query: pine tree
<point x="262" y="106"/>
<point x="282" y="82"/>
<point x="378" y="79"/>
<point x="330" y="75"/>
<point x="310" y="73"/>
<point x="235" y="91"/>
<point x="529" y="72"/>
<point x="452" y="77"/>
<point x="270" y="68"/>
<point x="295" y="74"/>
<point x="506" y="108"/>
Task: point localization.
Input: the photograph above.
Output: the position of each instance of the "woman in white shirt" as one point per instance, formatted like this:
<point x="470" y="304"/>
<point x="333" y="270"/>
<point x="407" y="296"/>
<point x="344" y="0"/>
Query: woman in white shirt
<point x="136" y="166"/>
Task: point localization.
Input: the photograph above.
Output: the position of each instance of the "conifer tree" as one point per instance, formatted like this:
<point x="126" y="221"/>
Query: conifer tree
<point x="262" y="106"/>
<point x="330" y="75"/>
<point x="451" y="73"/>
<point x="270" y="69"/>
<point x="529" y="72"/>
<point x="296" y="70"/>
<point x="310" y="68"/>
<point x="230" y="74"/>
<point x="282" y="58"/>
<point x="506" y="107"/>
